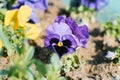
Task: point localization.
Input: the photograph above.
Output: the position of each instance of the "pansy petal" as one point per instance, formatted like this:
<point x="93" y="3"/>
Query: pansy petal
<point x="34" y="17"/>
<point x="30" y="4"/>
<point x="20" y="1"/>
<point x="58" y="28"/>
<point x="16" y="25"/>
<point x="51" y="39"/>
<point x="60" y="50"/>
<point x="0" y="44"/>
<point x="10" y="15"/>
<point x="71" y="23"/>
<point x="69" y="45"/>
<point x="41" y="4"/>
<point x="33" y="1"/>
<point x="82" y="34"/>
<point x="16" y="6"/>
<point x="60" y="19"/>
<point x="33" y="31"/>
<point x="69" y="42"/>
<point x="23" y="15"/>
<point x="82" y="2"/>
<point x="84" y="30"/>
<point x="94" y="4"/>
<point x="101" y="4"/>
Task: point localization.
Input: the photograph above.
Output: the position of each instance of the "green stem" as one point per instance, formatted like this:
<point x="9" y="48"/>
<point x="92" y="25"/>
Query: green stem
<point x="6" y="42"/>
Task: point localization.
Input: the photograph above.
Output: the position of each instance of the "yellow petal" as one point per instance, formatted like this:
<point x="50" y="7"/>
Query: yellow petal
<point x="23" y="15"/>
<point x="16" y="25"/>
<point x="10" y="16"/>
<point x="0" y="44"/>
<point x="33" y="31"/>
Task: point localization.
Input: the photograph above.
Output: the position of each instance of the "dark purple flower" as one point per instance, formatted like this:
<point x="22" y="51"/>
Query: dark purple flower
<point x="81" y="32"/>
<point x="60" y="39"/>
<point x="64" y="35"/>
<point x="34" y="4"/>
<point x="94" y="4"/>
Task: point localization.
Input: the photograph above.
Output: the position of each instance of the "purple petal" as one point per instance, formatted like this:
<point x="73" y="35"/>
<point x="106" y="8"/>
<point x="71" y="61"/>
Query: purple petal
<point x="69" y="45"/>
<point x="59" y="28"/>
<point x="84" y="30"/>
<point x="34" y="4"/>
<point x="16" y="6"/>
<point x="30" y="4"/>
<point x="69" y="21"/>
<point x="20" y="1"/>
<point x="41" y="4"/>
<point x="60" y="50"/>
<point x="82" y="2"/>
<point x="82" y="34"/>
<point x="72" y="24"/>
<point x="33" y="1"/>
<point x="60" y="19"/>
<point x="101" y="4"/>
<point x="69" y="42"/>
<point x="50" y="40"/>
<point x="34" y="17"/>
<point x="92" y="5"/>
<point x="95" y="4"/>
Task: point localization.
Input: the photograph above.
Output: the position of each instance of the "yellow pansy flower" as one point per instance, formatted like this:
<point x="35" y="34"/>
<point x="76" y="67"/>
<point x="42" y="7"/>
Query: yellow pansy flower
<point x="10" y="16"/>
<point x="0" y="44"/>
<point x="23" y="15"/>
<point x="18" y="18"/>
<point x="33" y="31"/>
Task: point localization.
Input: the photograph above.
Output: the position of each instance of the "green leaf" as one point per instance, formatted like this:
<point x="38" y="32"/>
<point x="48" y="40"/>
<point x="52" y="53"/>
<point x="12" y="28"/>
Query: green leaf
<point x="29" y="75"/>
<point x="10" y="3"/>
<point x="43" y="78"/>
<point x="29" y="53"/>
<point x="3" y="72"/>
<point x="40" y="67"/>
<point x="62" y="78"/>
<point x="55" y="61"/>
<point x="1" y="51"/>
<point x="6" y="42"/>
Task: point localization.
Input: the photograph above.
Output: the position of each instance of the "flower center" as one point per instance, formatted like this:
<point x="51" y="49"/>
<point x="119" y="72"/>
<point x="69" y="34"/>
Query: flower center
<point x="60" y="44"/>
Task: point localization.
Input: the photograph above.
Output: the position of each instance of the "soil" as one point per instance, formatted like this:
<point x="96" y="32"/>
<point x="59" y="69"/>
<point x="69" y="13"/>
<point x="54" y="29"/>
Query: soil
<point x="97" y="67"/>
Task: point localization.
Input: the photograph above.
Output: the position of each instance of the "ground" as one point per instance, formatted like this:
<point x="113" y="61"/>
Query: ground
<point x="97" y="67"/>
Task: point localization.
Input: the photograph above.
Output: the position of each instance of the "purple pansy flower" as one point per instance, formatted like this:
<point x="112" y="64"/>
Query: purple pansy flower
<point x="64" y="36"/>
<point x="81" y="32"/>
<point x="60" y="38"/>
<point x="34" y="4"/>
<point x="94" y="4"/>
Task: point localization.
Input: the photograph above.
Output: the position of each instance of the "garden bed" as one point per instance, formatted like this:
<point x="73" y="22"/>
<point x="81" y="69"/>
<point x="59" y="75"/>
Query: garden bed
<point x="94" y="65"/>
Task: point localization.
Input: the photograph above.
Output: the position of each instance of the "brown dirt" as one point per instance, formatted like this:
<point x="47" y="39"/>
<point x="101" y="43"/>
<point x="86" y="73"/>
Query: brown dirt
<point x="96" y="67"/>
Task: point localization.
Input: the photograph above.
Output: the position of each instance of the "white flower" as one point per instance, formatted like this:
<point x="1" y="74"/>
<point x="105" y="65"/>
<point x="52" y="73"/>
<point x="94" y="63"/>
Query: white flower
<point x="111" y="55"/>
